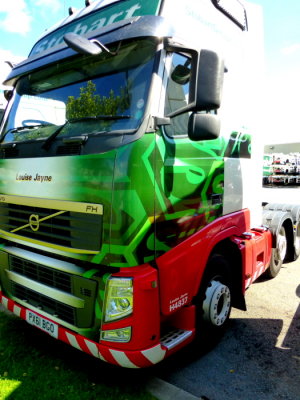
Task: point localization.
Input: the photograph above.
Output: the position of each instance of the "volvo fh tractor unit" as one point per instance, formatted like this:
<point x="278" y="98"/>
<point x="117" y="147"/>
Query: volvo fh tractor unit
<point x="130" y="173"/>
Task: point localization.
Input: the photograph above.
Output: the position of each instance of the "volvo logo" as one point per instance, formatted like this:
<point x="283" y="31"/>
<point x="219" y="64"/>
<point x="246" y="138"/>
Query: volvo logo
<point x="34" y="222"/>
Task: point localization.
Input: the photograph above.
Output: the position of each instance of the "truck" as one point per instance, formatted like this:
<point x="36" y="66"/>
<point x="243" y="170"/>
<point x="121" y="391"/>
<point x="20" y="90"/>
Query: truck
<point x="281" y="168"/>
<point x="130" y="219"/>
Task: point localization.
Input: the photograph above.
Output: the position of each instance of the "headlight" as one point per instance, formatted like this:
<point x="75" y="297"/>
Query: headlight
<point x="118" y="298"/>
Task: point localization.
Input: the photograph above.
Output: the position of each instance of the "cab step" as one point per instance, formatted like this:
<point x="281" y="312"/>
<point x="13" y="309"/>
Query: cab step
<point x="175" y="337"/>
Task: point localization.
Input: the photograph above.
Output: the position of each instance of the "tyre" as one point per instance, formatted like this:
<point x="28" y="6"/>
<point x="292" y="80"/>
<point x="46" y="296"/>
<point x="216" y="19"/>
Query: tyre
<point x="297" y="241"/>
<point x="278" y="254"/>
<point x="214" y="300"/>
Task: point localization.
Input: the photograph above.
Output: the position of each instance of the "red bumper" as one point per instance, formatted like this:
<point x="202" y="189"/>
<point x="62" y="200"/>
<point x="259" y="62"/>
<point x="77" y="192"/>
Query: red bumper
<point x="127" y="359"/>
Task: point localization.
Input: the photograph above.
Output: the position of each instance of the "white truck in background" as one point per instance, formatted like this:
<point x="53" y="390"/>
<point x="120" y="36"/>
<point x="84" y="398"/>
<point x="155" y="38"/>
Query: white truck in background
<point x="281" y="168"/>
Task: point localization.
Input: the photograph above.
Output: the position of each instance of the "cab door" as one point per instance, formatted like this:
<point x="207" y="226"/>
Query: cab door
<point x="189" y="175"/>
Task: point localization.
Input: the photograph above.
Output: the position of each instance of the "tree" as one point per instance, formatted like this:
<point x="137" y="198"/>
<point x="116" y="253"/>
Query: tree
<point x="89" y="104"/>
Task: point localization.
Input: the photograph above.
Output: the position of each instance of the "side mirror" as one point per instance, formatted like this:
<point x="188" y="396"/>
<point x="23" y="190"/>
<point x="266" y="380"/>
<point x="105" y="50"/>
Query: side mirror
<point x="81" y="44"/>
<point x="181" y="74"/>
<point x="8" y="94"/>
<point x="203" y="127"/>
<point x="205" y="75"/>
<point x="85" y="46"/>
<point x="208" y="81"/>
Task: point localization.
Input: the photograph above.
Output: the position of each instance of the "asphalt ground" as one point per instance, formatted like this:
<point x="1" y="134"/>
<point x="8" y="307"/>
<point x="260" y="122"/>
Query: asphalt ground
<point x="257" y="358"/>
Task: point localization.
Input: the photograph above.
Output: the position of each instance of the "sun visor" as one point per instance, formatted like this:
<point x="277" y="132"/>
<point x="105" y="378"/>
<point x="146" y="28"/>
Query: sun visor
<point x="136" y="27"/>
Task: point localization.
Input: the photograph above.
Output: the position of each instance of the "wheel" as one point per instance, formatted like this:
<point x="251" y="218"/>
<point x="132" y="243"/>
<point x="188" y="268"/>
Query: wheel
<point x="297" y="241"/>
<point x="216" y="305"/>
<point x="278" y="254"/>
<point x="214" y="300"/>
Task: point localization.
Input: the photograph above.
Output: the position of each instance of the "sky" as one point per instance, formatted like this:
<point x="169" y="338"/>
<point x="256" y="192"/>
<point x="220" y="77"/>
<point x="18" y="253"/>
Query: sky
<point x="23" y="21"/>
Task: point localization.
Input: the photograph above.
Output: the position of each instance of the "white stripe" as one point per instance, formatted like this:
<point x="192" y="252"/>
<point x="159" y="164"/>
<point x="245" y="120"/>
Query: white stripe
<point x="73" y="341"/>
<point x="262" y="270"/>
<point x="92" y="348"/>
<point x="17" y="310"/>
<point x="155" y="355"/>
<point x="122" y="359"/>
<point x="5" y="302"/>
<point x="101" y="357"/>
<point x="248" y="281"/>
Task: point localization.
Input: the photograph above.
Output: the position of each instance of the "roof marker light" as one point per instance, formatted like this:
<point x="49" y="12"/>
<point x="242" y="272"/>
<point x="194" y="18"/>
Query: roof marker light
<point x="72" y="10"/>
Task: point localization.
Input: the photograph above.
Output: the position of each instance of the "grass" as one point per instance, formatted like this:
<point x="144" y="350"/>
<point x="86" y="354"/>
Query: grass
<point x="35" y="366"/>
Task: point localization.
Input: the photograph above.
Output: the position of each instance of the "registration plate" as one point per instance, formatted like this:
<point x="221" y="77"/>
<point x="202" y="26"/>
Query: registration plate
<point x="42" y="323"/>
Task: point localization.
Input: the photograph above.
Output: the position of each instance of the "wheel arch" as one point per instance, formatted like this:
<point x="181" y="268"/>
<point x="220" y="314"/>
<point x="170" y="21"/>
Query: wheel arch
<point x="231" y="252"/>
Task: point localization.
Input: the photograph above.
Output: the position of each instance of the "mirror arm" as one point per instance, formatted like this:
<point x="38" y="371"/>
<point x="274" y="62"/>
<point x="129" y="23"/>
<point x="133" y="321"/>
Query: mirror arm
<point x="189" y="107"/>
<point x="171" y="45"/>
<point x="102" y="47"/>
<point x="10" y="63"/>
<point x="161" y="121"/>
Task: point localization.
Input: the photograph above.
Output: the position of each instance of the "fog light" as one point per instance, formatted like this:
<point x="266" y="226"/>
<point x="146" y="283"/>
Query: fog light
<point x="117" y="335"/>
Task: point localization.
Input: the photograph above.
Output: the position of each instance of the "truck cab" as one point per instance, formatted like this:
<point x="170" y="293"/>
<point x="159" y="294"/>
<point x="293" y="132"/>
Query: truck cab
<point x="126" y="213"/>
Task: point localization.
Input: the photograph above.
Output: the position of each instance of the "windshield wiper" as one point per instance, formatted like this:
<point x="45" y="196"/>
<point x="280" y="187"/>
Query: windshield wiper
<point x="51" y="138"/>
<point x="24" y="128"/>
<point x="48" y="141"/>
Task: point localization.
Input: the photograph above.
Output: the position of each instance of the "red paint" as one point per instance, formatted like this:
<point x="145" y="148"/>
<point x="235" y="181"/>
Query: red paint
<point x="164" y="295"/>
<point x="181" y="268"/>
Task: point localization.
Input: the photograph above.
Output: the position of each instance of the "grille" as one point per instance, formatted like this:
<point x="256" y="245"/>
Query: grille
<point x="70" y="229"/>
<point x="64" y="282"/>
<point x="52" y="307"/>
<point x="50" y="277"/>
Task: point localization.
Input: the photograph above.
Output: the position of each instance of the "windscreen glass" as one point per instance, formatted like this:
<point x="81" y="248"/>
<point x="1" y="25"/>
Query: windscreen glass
<point x="87" y="95"/>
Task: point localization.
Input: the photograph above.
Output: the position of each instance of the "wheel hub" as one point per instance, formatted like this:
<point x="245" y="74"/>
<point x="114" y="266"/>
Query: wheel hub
<point x="216" y="305"/>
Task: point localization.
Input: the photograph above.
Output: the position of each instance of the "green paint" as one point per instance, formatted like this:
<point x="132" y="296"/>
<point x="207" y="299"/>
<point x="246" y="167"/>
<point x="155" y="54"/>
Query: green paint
<point x="155" y="192"/>
<point x="90" y="273"/>
<point x="100" y="297"/>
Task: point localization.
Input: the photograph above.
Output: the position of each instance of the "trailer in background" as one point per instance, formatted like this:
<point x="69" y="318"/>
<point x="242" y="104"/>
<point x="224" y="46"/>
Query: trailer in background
<point x="281" y="165"/>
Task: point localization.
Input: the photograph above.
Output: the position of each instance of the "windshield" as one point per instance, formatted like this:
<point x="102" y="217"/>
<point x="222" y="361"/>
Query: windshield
<point x="2" y="103"/>
<point x="88" y="95"/>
